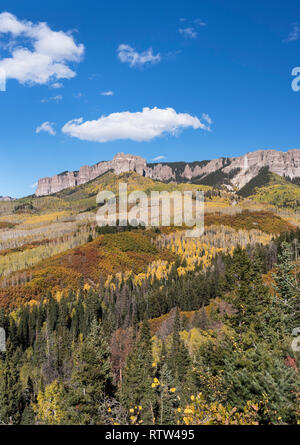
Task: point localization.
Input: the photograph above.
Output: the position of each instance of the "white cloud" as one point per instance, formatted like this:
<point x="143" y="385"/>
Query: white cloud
<point x="159" y="158"/>
<point x="107" y="93"/>
<point x="294" y="34"/>
<point x="207" y="118"/>
<point x="188" y="33"/>
<point x="9" y="23"/>
<point x="57" y="85"/>
<point x="78" y="95"/>
<point x="140" y="126"/>
<point x="37" y="54"/>
<point x="94" y="76"/>
<point x="56" y="99"/>
<point x="47" y="127"/>
<point x="200" y="22"/>
<point x="127" y="54"/>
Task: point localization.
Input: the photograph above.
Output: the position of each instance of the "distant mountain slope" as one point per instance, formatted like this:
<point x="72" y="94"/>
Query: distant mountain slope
<point x="237" y="171"/>
<point x="6" y="198"/>
<point x="94" y="261"/>
<point x="217" y="178"/>
<point x="112" y="253"/>
<point x="262" y="179"/>
<point x="268" y="187"/>
<point x="178" y="168"/>
<point x="82" y="198"/>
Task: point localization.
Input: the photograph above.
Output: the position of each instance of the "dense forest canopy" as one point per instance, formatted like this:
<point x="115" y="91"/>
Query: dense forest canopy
<point x="202" y="339"/>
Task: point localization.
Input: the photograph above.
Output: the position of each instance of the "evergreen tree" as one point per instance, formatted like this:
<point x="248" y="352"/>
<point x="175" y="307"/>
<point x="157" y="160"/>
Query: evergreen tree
<point x="258" y="374"/>
<point x="10" y="388"/>
<point x="167" y="400"/>
<point x="287" y="289"/>
<point x="179" y="360"/>
<point x="246" y="290"/>
<point x="27" y="400"/>
<point x="136" y="387"/>
<point x="92" y="377"/>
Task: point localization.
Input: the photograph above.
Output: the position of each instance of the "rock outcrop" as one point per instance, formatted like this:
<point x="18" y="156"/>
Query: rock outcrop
<point x="121" y="163"/>
<point x="240" y="169"/>
<point x="282" y="163"/>
<point x="6" y="199"/>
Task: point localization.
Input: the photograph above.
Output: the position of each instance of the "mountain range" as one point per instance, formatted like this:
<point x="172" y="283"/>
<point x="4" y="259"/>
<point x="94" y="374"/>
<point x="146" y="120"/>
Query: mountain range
<point x="233" y="172"/>
<point x="6" y="199"/>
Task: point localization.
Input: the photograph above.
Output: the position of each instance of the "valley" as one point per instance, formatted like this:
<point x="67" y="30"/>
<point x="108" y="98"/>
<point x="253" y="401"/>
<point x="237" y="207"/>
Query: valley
<point x="154" y="290"/>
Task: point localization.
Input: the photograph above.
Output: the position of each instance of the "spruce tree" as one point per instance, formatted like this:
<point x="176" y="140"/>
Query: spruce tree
<point x="287" y="289"/>
<point x="179" y="359"/>
<point x="92" y="377"/>
<point x="27" y="400"/>
<point x="167" y="399"/>
<point x="136" y="387"/>
<point x="10" y="388"/>
<point x="246" y="291"/>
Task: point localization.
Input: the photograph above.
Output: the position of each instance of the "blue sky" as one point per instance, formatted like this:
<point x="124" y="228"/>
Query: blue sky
<point x="229" y="60"/>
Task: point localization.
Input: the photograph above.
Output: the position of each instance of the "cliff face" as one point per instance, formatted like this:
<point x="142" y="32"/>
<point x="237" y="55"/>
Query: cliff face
<point x="282" y="163"/>
<point x="121" y="163"/>
<point x="6" y="199"/>
<point x="242" y="168"/>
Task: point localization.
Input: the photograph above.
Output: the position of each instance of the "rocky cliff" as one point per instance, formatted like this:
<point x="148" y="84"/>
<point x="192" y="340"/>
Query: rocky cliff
<point x="120" y="163"/>
<point x="282" y="163"/>
<point x="6" y="199"/>
<point x="240" y="170"/>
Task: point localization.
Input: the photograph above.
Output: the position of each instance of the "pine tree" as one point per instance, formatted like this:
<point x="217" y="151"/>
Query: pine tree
<point x="167" y="400"/>
<point x="10" y="388"/>
<point x="179" y="359"/>
<point x="287" y="288"/>
<point x="247" y="291"/>
<point x="28" y="399"/>
<point x="258" y="374"/>
<point x="92" y="377"/>
<point x="23" y="328"/>
<point x="136" y="387"/>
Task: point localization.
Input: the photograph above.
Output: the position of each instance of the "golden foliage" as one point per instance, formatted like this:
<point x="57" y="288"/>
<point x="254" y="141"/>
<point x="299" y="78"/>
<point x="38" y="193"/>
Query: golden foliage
<point x="49" y="407"/>
<point x="199" y="412"/>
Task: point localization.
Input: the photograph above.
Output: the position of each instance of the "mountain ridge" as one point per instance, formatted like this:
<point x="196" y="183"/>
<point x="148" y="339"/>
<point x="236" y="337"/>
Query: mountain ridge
<point x="237" y="171"/>
<point x="6" y="199"/>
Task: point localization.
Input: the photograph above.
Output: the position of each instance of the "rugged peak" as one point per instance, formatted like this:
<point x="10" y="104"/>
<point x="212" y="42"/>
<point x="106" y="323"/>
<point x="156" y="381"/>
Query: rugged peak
<point x="127" y="157"/>
<point x="282" y="163"/>
<point x="6" y="198"/>
<point x="121" y="163"/>
<point x="240" y="169"/>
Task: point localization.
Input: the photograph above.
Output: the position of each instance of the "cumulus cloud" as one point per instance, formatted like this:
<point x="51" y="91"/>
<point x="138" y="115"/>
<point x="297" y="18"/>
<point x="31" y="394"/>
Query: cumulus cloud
<point x="47" y="127"/>
<point x="188" y="33"/>
<point x="159" y="158"/>
<point x="107" y="93"/>
<point x="57" y="85"/>
<point x="140" y="126"/>
<point x="294" y="34"/>
<point x="207" y="119"/>
<point x="127" y="54"/>
<point x="56" y="99"/>
<point x="37" y="54"/>
<point x="199" y="22"/>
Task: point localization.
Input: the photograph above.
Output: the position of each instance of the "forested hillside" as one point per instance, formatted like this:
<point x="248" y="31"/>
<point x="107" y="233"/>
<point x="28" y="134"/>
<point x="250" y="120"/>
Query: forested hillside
<point x="270" y="188"/>
<point x="141" y="325"/>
